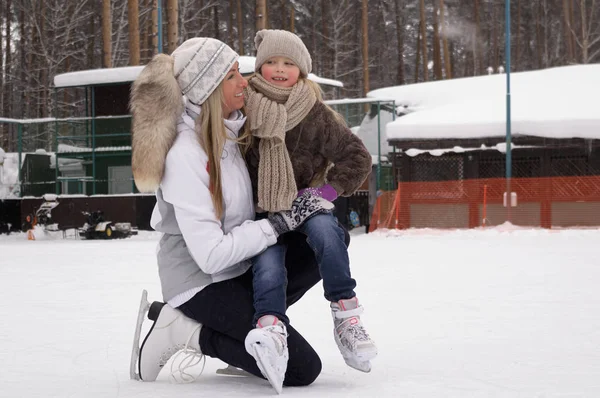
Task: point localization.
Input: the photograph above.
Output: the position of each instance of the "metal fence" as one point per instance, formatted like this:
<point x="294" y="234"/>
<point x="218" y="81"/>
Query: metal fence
<point x="71" y="155"/>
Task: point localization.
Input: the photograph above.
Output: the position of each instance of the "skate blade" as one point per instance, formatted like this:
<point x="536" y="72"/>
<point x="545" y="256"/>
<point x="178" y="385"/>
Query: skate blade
<point x="232" y="371"/>
<point x="135" y="351"/>
<point x="360" y="366"/>
<point x="366" y="355"/>
<point x="266" y="369"/>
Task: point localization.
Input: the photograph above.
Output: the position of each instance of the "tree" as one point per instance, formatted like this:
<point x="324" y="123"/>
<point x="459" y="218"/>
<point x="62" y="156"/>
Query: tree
<point x="437" y="51"/>
<point x="106" y="34"/>
<point x="399" y="8"/>
<point x="365" y="46"/>
<point x="134" y="31"/>
<point x="172" y="25"/>
<point x="423" y="28"/>
<point x="261" y="14"/>
<point x="240" y="28"/>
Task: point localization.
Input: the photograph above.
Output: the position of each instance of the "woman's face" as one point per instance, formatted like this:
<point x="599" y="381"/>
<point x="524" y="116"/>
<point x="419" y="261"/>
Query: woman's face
<point x="280" y="71"/>
<point x="233" y="90"/>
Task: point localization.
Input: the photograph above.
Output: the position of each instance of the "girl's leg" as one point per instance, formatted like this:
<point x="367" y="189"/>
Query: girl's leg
<point x="328" y="241"/>
<point x="270" y="283"/>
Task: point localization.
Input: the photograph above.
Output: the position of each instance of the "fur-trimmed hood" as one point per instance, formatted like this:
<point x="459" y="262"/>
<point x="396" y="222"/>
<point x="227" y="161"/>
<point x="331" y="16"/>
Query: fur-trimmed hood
<point x="156" y="103"/>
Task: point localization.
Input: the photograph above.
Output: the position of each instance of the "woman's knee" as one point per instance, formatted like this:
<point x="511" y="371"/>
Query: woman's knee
<point x="306" y="373"/>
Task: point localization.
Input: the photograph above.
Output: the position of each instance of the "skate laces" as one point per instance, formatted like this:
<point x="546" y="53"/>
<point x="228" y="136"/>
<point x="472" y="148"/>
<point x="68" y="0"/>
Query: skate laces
<point x="279" y="334"/>
<point x="185" y="358"/>
<point x="352" y="330"/>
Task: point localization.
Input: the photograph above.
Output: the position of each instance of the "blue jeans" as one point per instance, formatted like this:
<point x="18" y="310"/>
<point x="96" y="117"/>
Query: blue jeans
<point x="327" y="240"/>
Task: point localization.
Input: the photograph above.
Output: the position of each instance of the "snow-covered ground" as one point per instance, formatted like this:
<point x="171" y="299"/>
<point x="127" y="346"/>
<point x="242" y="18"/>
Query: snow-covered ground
<point x="494" y="313"/>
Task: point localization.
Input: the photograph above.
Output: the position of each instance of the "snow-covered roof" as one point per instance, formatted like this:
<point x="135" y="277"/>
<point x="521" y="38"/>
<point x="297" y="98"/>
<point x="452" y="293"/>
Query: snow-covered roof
<point x="94" y="77"/>
<point x="555" y="103"/>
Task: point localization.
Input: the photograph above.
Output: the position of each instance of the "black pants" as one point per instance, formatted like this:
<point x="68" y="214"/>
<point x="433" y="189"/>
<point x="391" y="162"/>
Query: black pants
<point x="225" y="309"/>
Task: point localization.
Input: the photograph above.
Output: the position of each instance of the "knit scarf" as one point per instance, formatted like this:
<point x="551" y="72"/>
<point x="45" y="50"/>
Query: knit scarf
<point x="272" y="111"/>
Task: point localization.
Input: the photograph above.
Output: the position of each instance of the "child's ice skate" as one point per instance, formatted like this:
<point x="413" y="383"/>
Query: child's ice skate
<point x="171" y="332"/>
<point x="267" y="343"/>
<point x="352" y="339"/>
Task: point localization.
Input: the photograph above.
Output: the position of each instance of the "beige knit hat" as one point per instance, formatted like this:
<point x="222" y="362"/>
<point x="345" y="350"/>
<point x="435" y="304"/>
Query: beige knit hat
<point x="281" y="43"/>
<point x="200" y="65"/>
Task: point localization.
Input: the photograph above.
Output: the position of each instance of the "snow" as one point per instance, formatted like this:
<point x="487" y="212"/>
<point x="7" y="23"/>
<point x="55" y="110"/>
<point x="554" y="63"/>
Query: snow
<point x="502" y="312"/>
<point x="555" y="103"/>
<point x="65" y="148"/>
<point x="9" y="175"/>
<point x="94" y="77"/>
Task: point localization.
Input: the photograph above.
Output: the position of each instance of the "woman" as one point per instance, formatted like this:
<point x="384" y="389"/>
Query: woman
<point x="190" y="152"/>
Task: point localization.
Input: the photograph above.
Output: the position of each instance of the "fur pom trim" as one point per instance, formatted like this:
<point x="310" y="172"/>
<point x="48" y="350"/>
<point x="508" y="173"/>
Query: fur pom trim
<point x="156" y="104"/>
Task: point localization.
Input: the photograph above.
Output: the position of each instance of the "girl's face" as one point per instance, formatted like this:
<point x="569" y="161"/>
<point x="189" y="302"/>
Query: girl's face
<point x="233" y="90"/>
<point x="280" y="71"/>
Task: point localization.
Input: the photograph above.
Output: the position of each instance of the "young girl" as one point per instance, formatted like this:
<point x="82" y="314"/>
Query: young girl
<point x="320" y="155"/>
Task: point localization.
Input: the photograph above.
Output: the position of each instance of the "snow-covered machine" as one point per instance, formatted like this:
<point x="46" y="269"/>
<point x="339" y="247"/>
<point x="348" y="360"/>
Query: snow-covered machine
<point x="96" y="227"/>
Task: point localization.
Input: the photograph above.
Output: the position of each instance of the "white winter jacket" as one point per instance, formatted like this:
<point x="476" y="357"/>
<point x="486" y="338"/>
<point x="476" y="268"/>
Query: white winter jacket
<point x="196" y="248"/>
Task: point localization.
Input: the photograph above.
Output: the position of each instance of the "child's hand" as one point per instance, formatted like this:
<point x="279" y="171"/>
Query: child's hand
<point x="326" y="192"/>
<point x="303" y="207"/>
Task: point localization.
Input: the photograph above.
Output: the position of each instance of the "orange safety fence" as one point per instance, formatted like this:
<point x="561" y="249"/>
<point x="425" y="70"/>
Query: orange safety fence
<point x="547" y="202"/>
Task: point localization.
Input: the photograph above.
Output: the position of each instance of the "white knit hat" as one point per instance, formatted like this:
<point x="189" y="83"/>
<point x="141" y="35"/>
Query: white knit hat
<point x="200" y="65"/>
<point x="281" y="43"/>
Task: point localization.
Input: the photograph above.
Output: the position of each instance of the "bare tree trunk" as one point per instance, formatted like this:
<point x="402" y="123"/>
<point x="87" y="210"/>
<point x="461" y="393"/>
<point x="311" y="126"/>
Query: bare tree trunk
<point x="292" y="18"/>
<point x="538" y="35"/>
<point x="30" y="109"/>
<point x="477" y="56"/>
<point x="424" y="42"/>
<point x="284" y="14"/>
<point x="365" y="46"/>
<point x="23" y="45"/>
<point x="325" y="37"/>
<point x="43" y="104"/>
<point x="437" y="51"/>
<point x="133" y="20"/>
<point x="418" y="55"/>
<point x="230" y="35"/>
<point x="518" y="37"/>
<point x="447" y="62"/>
<point x="91" y="56"/>
<point x="495" y="47"/>
<point x="400" y="38"/>
<point x="216" y="22"/>
<point x="267" y="19"/>
<point x="568" y="34"/>
<point x="572" y="27"/>
<point x="315" y="61"/>
<point x="261" y="14"/>
<point x="172" y="25"/>
<point x="155" y="26"/>
<point x="3" y="91"/>
<point x="585" y="39"/>
<point x="106" y="34"/>
<point x="8" y="78"/>
<point x="240" y="28"/>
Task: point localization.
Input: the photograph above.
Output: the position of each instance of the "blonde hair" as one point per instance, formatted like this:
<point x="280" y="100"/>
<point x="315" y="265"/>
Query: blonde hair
<point x="319" y="93"/>
<point x="212" y="138"/>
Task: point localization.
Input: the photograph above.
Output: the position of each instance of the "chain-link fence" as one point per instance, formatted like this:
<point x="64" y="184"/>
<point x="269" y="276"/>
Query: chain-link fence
<point x="92" y="155"/>
<point x="69" y="156"/>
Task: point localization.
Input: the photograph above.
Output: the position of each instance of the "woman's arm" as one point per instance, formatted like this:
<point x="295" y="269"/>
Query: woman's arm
<point x="185" y="186"/>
